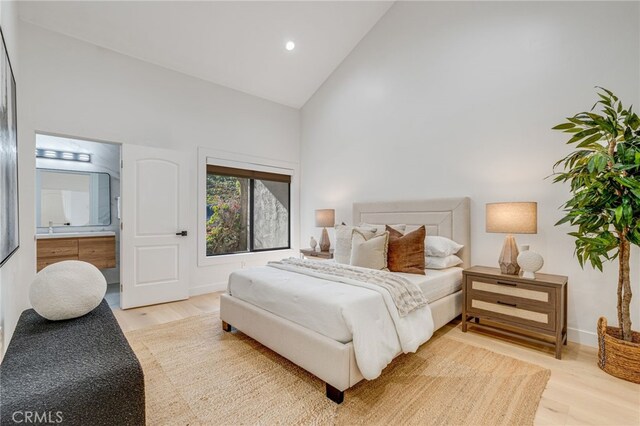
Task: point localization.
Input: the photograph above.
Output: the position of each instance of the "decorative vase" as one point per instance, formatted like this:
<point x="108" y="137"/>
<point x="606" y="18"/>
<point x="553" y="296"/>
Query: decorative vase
<point x="313" y="243"/>
<point x="530" y="262"/>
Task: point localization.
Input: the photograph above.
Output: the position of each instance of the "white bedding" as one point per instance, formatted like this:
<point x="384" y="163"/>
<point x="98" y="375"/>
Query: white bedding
<point x="437" y="283"/>
<point x="345" y="312"/>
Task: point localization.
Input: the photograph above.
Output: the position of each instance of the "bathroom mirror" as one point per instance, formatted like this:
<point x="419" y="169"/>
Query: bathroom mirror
<point x="70" y="198"/>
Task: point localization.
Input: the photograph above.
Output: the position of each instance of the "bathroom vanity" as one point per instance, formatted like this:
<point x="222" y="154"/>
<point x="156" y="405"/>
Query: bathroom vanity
<point x="97" y="248"/>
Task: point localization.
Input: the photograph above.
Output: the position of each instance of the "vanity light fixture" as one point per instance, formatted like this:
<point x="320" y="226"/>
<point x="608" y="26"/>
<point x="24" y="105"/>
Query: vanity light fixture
<point x="63" y="155"/>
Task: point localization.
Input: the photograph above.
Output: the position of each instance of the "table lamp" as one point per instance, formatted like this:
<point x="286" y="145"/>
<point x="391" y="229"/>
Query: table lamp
<point x="325" y="218"/>
<point x="511" y="218"/>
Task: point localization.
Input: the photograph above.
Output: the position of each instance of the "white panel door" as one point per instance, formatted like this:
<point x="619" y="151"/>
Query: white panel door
<point x="154" y="215"/>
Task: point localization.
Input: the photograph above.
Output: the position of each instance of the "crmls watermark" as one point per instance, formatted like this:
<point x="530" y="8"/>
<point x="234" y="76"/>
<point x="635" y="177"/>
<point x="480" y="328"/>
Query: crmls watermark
<point x="50" y="417"/>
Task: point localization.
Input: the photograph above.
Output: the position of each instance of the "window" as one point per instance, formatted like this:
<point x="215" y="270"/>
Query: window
<point x="247" y="211"/>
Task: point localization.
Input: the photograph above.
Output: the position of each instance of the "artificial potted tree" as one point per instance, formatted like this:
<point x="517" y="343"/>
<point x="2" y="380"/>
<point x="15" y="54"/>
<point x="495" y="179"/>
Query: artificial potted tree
<point x="604" y="176"/>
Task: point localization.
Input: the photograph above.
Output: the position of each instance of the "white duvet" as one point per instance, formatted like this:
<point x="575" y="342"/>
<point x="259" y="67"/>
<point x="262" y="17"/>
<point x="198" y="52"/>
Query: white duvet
<point x="346" y="311"/>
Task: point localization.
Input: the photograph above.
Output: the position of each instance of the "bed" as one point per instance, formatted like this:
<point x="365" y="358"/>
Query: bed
<point x="305" y="327"/>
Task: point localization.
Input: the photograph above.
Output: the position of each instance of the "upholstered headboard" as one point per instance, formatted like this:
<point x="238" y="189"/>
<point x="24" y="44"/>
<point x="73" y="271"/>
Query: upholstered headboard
<point x="447" y="217"/>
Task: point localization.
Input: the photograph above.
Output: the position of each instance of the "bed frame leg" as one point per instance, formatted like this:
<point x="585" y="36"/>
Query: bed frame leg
<point x="334" y="394"/>
<point x="226" y="326"/>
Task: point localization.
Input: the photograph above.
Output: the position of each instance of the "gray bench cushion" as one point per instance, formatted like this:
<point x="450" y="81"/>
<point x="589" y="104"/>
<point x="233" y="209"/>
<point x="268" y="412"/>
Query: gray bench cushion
<point x="81" y="369"/>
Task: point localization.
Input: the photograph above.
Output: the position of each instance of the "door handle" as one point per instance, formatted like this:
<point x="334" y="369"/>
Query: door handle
<point x="181" y="233"/>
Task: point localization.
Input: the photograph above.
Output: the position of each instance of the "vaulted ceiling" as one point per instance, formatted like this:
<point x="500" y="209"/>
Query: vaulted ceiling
<point x="235" y="44"/>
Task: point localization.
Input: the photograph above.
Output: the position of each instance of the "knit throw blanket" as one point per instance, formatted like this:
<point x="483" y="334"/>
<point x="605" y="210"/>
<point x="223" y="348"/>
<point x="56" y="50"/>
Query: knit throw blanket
<point x="406" y="295"/>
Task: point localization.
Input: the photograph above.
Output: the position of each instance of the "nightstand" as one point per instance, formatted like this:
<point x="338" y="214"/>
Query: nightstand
<point x="537" y="306"/>
<point x="316" y="255"/>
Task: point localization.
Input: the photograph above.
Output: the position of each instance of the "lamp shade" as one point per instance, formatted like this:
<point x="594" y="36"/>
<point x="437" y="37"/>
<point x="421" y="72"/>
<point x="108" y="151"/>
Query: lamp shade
<point x="325" y="218"/>
<point x="512" y="218"/>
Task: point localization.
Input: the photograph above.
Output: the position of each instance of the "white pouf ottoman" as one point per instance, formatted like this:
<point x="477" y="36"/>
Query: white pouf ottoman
<point x="66" y="290"/>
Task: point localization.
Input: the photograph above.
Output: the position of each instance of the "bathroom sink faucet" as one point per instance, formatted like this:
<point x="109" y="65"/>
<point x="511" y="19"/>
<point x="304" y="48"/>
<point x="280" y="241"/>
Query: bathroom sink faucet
<point x="51" y="225"/>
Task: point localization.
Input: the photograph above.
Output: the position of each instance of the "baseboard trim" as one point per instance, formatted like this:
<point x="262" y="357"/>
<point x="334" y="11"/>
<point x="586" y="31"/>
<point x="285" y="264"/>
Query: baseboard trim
<point x="207" y="288"/>
<point x="587" y="338"/>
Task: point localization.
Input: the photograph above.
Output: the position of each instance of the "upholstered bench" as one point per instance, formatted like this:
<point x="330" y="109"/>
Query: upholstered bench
<point x="75" y="372"/>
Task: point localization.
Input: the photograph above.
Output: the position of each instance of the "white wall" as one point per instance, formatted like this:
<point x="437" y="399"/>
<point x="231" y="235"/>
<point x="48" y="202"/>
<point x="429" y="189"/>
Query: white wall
<point x="457" y="99"/>
<point x="72" y="88"/>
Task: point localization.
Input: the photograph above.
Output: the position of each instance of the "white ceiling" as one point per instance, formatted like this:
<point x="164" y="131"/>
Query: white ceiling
<point x="235" y="44"/>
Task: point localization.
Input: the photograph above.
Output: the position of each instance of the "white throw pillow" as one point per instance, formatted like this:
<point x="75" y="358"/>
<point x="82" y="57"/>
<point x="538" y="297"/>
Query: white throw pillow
<point x="342" y="248"/>
<point x="432" y="262"/>
<point x="381" y="229"/>
<point x="66" y="290"/>
<point x="441" y="246"/>
<point x="370" y="253"/>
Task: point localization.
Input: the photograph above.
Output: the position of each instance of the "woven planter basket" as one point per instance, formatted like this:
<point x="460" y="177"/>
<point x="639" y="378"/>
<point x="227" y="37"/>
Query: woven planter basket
<point x="618" y="357"/>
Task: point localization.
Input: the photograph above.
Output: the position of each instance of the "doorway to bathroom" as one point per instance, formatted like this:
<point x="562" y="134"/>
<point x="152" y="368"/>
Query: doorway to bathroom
<point x="78" y="205"/>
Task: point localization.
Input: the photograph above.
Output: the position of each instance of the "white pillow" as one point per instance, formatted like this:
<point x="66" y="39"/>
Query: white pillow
<point x="370" y="253"/>
<point x="441" y="246"/>
<point x="344" y="233"/>
<point x="66" y="290"/>
<point x="381" y="229"/>
<point x="432" y="262"/>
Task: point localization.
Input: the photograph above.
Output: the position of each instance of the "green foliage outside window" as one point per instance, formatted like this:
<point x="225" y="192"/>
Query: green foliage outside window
<point x="227" y="201"/>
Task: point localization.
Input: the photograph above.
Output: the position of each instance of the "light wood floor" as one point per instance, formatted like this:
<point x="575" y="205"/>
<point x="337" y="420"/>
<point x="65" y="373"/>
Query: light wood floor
<point x="578" y="393"/>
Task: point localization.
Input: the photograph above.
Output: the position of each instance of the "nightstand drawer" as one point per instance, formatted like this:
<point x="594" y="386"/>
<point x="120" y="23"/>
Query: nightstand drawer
<point x="508" y="310"/>
<point x="536" y="295"/>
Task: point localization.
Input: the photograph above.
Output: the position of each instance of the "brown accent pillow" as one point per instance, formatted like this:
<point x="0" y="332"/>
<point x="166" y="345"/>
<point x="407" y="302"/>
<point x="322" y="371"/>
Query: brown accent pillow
<point x="406" y="252"/>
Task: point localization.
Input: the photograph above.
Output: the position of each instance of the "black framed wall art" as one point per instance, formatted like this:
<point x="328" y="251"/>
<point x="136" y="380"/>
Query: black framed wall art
<point x="9" y="233"/>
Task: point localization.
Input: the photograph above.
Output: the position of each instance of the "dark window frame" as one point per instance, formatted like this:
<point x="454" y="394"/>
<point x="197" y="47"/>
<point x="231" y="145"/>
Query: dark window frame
<point x="252" y="176"/>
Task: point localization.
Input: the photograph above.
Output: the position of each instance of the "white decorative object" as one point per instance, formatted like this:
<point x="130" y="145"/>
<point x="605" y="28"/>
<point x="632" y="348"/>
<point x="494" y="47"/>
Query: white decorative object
<point x="313" y="243"/>
<point x="66" y="290"/>
<point x="530" y="262"/>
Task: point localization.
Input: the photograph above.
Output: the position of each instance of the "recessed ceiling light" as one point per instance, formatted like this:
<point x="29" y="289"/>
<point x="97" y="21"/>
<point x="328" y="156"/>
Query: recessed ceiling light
<point x="290" y="45"/>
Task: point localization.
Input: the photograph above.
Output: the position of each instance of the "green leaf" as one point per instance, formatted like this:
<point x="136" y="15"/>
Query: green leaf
<point x="618" y="214"/>
<point x="609" y="92"/>
<point x="590" y="140"/>
<point x="578" y="136"/>
<point x="564" y="126"/>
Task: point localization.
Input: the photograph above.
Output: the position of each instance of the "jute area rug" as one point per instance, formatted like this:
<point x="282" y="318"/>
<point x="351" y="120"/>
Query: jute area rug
<point x="196" y="374"/>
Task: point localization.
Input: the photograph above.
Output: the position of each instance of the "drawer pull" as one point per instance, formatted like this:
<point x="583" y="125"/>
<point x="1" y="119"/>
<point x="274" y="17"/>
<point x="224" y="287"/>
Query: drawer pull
<point x="513" y="305"/>
<point x="507" y="283"/>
